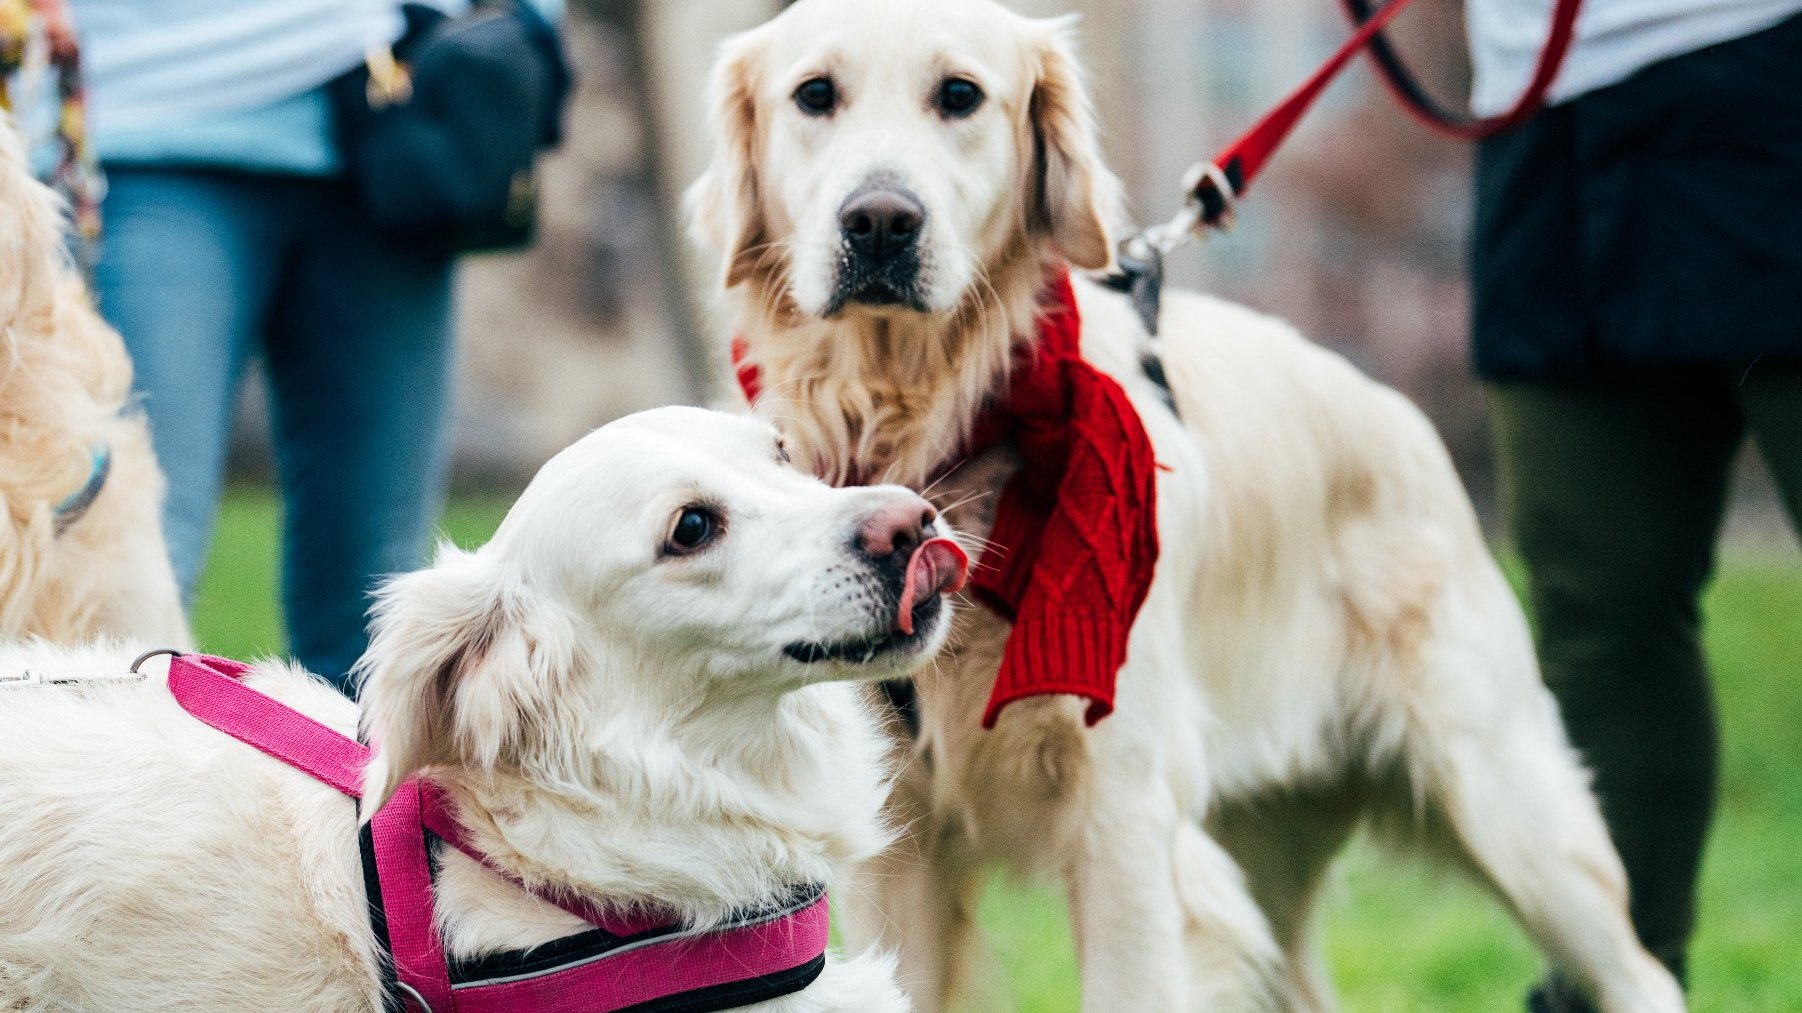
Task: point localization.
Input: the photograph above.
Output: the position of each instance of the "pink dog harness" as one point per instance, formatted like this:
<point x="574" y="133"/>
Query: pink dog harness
<point x="619" y="966"/>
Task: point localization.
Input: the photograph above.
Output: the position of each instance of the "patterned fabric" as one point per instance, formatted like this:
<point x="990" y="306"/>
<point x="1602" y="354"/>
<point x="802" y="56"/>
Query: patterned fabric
<point x="1075" y="540"/>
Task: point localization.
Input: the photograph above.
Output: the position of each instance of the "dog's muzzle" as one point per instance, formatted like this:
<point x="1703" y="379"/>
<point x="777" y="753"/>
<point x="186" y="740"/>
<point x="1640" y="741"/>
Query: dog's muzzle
<point x="911" y="568"/>
<point x="879" y="249"/>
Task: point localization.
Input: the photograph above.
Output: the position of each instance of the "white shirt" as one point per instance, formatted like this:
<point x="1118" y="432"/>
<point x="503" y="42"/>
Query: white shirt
<point x="1615" y="38"/>
<point x="153" y="62"/>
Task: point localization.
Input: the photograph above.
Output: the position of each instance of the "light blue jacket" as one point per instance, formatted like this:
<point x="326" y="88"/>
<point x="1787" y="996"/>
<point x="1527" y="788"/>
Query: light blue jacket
<point x="232" y="84"/>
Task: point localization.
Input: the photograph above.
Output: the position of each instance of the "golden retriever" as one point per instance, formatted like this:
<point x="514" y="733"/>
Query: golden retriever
<point x="1327" y="641"/>
<point x="636" y="692"/>
<point x="81" y="540"/>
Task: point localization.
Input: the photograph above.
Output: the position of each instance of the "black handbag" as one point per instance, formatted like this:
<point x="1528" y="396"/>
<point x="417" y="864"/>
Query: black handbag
<point x="441" y="134"/>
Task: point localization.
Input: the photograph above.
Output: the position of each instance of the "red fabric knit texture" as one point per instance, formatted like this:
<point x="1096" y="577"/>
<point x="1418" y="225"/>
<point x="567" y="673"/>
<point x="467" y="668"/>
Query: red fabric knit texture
<point x="1075" y="540"/>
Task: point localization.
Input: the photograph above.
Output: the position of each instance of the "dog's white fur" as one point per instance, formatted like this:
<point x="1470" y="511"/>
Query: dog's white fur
<point x="609" y="720"/>
<point x="1327" y="641"/>
<point x="64" y="388"/>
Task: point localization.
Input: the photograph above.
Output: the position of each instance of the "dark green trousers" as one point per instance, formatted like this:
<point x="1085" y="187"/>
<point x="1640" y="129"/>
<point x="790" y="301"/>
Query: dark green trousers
<point x="1615" y="490"/>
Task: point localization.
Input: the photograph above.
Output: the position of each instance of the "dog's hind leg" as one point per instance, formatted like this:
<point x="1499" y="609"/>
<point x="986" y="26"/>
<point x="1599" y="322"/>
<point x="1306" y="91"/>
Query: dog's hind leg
<point x="1285" y="841"/>
<point x="1499" y="787"/>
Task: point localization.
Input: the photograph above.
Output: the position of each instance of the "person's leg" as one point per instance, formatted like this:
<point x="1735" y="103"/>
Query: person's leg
<point x="1772" y="400"/>
<point x="1615" y="492"/>
<point x="360" y="365"/>
<point x="184" y="274"/>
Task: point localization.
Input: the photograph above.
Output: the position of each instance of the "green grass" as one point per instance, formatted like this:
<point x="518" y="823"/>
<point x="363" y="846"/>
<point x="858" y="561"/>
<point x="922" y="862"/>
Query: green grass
<point x="1402" y="939"/>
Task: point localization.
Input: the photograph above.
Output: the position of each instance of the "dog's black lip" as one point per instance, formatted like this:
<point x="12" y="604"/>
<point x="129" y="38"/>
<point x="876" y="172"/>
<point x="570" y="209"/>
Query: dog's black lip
<point x="864" y="650"/>
<point x="876" y="294"/>
<point x="857" y="652"/>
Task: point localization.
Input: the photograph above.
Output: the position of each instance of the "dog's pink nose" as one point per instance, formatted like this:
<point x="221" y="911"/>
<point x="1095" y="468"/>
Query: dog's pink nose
<point x="896" y="527"/>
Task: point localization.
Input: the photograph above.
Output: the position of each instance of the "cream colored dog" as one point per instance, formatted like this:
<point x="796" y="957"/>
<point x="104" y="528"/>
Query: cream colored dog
<point x="64" y="387"/>
<point x="635" y="692"/>
<point x="1327" y="641"/>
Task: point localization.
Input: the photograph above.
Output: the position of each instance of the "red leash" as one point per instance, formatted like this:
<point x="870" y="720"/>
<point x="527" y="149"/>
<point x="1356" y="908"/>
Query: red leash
<point x="1435" y="117"/>
<point x="1214" y="186"/>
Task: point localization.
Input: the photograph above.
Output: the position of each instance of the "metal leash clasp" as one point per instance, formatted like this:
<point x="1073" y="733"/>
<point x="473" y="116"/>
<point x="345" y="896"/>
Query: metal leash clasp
<point x="1210" y="206"/>
<point x="36" y="677"/>
<point x="31" y="677"/>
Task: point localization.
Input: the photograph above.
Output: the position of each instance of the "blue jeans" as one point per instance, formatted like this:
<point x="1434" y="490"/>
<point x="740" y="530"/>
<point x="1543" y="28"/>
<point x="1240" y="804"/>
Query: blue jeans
<point x="201" y="271"/>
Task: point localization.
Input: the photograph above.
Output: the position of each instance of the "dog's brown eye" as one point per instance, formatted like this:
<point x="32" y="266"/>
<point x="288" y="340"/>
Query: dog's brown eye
<point x="958" y="97"/>
<point x="817" y="96"/>
<point x="695" y="527"/>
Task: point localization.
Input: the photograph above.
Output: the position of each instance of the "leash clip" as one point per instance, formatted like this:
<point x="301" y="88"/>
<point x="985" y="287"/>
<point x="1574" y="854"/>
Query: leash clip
<point x="1209" y="207"/>
<point x="32" y="677"/>
<point x="137" y="663"/>
<point x="38" y="677"/>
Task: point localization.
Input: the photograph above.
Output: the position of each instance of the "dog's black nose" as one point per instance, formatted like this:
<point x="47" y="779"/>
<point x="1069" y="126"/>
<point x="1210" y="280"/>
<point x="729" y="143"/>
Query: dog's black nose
<point x="896" y="529"/>
<point x="877" y="224"/>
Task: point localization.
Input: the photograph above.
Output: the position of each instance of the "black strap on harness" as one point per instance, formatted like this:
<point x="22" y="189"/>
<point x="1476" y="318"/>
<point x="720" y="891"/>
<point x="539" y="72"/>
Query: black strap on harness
<point x="585" y="946"/>
<point x="1139" y="274"/>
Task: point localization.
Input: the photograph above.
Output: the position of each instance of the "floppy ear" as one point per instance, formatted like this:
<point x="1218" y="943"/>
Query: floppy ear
<point x="725" y="205"/>
<point x="1075" y="196"/>
<point x="461" y="667"/>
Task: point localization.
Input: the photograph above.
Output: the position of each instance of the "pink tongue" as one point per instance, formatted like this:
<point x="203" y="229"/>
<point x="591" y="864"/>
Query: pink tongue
<point x="937" y="567"/>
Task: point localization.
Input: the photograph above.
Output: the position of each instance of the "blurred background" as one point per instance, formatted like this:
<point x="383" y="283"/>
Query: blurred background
<point x="1356" y="233"/>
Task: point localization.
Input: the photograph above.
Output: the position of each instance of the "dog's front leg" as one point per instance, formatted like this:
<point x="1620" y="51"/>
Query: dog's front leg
<point x="1124" y="910"/>
<point x="917" y="899"/>
<point x="1162" y="917"/>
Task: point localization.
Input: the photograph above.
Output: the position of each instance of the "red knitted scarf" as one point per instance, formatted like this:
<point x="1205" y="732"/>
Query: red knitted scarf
<point x="1075" y="539"/>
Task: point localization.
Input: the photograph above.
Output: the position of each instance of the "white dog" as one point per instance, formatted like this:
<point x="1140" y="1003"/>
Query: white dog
<point x="634" y="694"/>
<point x="1327" y="639"/>
<point x="81" y="497"/>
